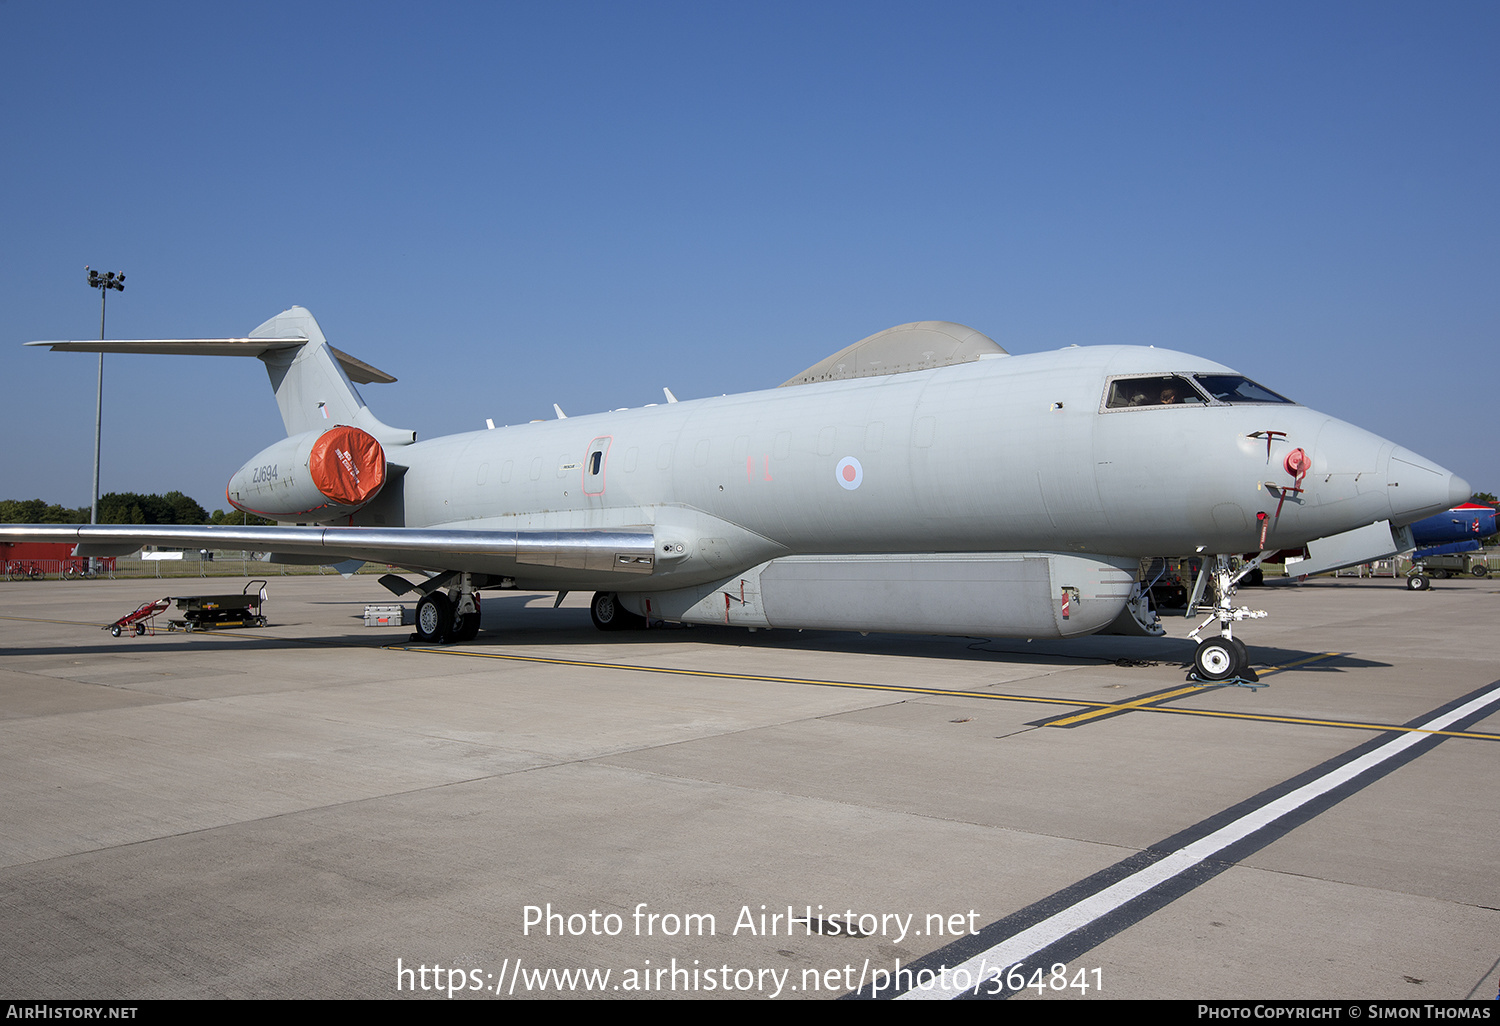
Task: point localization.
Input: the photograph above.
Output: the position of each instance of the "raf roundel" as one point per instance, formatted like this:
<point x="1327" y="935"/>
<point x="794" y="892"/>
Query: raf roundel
<point x="849" y="473"/>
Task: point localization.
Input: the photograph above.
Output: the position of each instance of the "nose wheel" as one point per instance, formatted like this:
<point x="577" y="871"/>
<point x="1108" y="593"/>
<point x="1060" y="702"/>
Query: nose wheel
<point x="1219" y="659"/>
<point x="1225" y="658"/>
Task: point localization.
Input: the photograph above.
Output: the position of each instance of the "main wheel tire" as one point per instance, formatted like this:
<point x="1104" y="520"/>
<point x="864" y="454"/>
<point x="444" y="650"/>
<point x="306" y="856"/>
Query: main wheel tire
<point x="606" y="612"/>
<point x="1479" y="570"/>
<point x="1217" y="659"/>
<point x="466" y="627"/>
<point x="1417" y="582"/>
<point x="1441" y="574"/>
<point x="609" y="615"/>
<point x="434" y="617"/>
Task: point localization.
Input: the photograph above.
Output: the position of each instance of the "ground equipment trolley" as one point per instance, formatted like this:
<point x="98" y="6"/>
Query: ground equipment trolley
<point x="209" y="612"/>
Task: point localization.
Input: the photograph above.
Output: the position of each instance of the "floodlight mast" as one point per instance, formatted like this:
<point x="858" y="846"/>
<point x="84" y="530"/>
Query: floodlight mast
<point x="102" y="282"/>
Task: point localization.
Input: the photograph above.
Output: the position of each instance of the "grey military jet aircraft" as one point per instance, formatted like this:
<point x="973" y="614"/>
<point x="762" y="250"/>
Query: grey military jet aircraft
<point x="920" y="480"/>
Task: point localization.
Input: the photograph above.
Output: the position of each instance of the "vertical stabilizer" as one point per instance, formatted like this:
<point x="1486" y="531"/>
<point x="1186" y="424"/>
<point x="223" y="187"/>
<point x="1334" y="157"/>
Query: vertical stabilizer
<point x="312" y="388"/>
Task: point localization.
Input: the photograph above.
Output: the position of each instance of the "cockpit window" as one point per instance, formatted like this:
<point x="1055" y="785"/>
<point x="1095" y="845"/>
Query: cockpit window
<point x="1162" y="390"/>
<point x="1232" y="388"/>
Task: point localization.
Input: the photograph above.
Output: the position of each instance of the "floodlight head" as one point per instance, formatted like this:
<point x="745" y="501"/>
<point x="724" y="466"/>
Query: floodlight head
<point x="108" y="280"/>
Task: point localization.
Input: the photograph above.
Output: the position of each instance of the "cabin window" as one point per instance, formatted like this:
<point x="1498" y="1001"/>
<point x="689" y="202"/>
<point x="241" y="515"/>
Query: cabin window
<point x="781" y="448"/>
<point x="1159" y="390"/>
<point x="925" y="431"/>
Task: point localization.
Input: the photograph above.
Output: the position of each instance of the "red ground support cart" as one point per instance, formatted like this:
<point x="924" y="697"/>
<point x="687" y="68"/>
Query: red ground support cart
<point x="141" y="621"/>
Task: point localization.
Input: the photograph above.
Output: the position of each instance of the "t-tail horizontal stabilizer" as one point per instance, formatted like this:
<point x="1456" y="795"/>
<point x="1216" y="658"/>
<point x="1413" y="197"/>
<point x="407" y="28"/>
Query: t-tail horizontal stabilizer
<point x="313" y="381"/>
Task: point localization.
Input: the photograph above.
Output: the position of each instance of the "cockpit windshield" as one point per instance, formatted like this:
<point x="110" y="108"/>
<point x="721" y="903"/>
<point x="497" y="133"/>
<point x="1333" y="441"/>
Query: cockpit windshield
<point x="1232" y="388"/>
<point x="1186" y="390"/>
<point x="1161" y="390"/>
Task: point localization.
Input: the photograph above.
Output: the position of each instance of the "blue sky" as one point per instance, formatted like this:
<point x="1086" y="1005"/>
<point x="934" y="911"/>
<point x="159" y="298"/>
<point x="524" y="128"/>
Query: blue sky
<point x="511" y="205"/>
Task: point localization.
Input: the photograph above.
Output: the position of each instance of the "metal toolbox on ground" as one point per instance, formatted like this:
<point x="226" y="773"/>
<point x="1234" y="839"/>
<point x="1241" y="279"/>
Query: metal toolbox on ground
<point x="387" y="616"/>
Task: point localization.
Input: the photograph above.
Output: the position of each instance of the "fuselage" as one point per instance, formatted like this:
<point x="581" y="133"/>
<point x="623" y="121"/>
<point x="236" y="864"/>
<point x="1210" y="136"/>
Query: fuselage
<point x="1015" y="453"/>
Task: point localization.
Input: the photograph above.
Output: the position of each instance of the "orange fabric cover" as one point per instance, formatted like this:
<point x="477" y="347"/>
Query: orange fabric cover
<point x="347" y="465"/>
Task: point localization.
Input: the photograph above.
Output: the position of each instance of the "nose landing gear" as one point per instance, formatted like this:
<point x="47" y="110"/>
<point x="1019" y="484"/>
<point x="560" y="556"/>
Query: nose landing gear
<point x="1224" y="659"/>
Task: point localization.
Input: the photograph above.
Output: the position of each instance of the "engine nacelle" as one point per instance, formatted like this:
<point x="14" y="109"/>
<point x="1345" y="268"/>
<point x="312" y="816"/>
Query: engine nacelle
<point x="311" y="476"/>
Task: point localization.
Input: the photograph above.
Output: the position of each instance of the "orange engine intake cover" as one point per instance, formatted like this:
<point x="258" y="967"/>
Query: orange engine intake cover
<point x="347" y="465"/>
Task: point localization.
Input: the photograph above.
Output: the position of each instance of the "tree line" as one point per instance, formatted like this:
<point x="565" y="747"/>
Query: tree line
<point x="124" y="508"/>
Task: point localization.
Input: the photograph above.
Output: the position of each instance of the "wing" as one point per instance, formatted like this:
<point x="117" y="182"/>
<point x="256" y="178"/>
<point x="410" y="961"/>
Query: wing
<point x="543" y="558"/>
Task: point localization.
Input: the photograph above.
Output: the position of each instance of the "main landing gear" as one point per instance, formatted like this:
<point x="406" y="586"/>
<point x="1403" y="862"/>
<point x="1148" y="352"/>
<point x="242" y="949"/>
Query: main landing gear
<point x="1225" y="658"/>
<point x="449" y="617"/>
<point x="609" y="615"/>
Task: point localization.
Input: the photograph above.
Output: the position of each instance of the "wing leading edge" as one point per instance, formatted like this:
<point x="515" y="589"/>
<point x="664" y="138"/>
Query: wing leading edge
<point x="589" y="552"/>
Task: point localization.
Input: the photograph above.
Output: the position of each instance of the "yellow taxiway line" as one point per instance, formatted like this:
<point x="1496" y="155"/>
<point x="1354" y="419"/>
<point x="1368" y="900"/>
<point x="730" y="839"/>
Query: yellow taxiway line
<point x="1096" y="708"/>
<point x="1106" y="710"/>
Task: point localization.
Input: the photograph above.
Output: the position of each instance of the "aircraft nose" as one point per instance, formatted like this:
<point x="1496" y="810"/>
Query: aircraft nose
<point x="1458" y="491"/>
<point x="1419" y="487"/>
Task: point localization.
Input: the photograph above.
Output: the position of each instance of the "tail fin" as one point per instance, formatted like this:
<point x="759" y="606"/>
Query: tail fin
<point x="314" y="382"/>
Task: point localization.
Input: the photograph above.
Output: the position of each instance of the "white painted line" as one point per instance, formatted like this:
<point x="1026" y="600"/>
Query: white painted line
<point x="1053" y="929"/>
